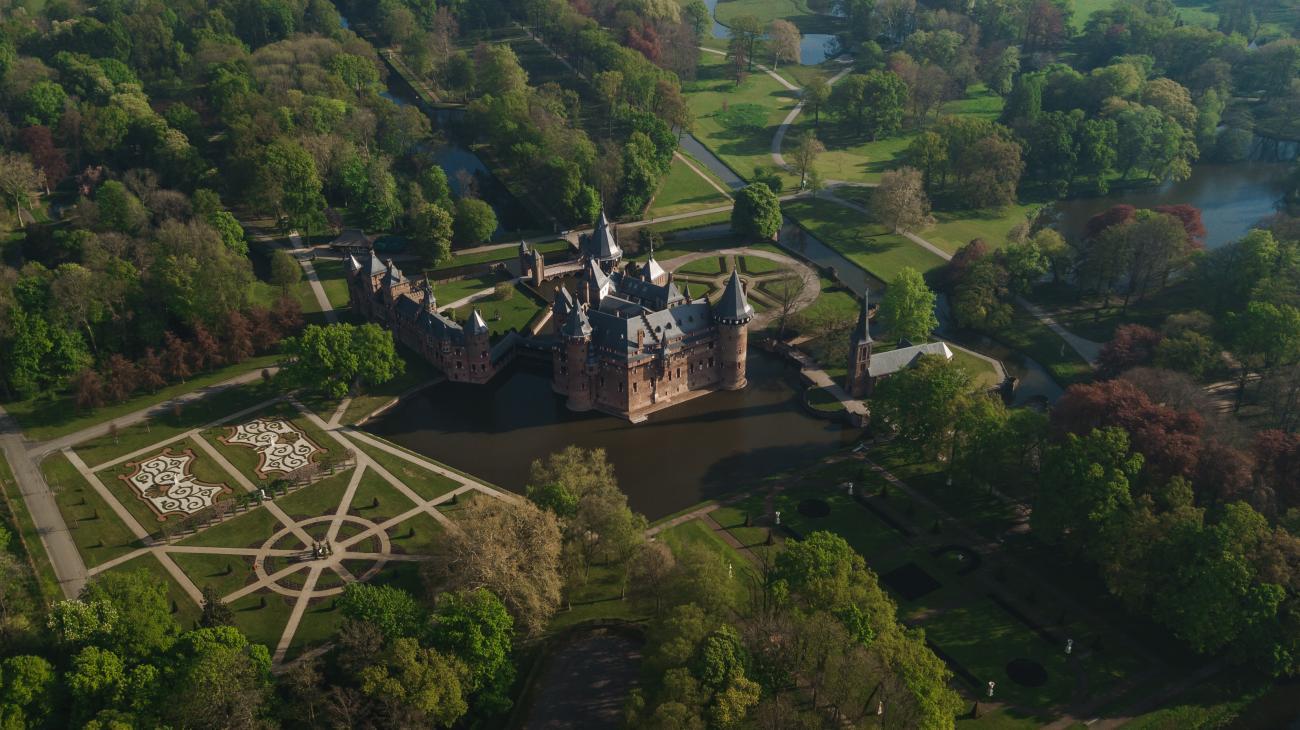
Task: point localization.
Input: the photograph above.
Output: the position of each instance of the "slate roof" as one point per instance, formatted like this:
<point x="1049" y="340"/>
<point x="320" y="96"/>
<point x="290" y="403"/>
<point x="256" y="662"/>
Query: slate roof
<point x="439" y="326"/>
<point x="353" y="265"/>
<point x="563" y="303"/>
<point x="652" y="271"/>
<point x="647" y="293"/>
<point x="888" y="363"/>
<point x="577" y="325"/>
<point x="618" y="335"/>
<point x="863" y="331"/>
<point x="477" y="326"/>
<point x="352" y="238"/>
<point x="732" y="307"/>
<point x="600" y="243"/>
<point x="376" y="266"/>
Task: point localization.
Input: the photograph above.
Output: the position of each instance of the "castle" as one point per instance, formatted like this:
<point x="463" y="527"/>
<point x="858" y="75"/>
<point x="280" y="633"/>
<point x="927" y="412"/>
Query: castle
<point x="626" y="342"/>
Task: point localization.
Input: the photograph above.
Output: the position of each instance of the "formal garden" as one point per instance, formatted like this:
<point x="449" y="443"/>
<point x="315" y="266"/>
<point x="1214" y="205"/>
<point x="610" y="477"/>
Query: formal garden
<point x="268" y="509"/>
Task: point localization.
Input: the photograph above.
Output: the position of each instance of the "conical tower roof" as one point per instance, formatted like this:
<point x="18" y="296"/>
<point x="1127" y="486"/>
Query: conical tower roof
<point x="732" y="307"/>
<point x="577" y="325"/>
<point x="863" y="330"/>
<point x="476" y="325"/>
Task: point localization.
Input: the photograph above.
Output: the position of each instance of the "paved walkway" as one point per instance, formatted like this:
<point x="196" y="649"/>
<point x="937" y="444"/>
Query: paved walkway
<point x="779" y="138"/>
<point x="69" y="568"/>
<point x="1086" y="348"/>
<point x="810" y="282"/>
<point x="296" y="248"/>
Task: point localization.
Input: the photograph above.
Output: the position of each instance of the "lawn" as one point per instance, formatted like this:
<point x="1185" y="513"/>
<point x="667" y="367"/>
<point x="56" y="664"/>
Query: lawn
<point x="983" y="372"/>
<point x="795" y="11"/>
<point x="416" y="535"/>
<point x="504" y="253"/>
<point x="427" y="484"/>
<point x="699" y="221"/>
<point x="737" y="122"/>
<point x="99" y="534"/>
<point x="333" y="281"/>
<point x="707" y="266"/>
<point x="695" y="532"/>
<point x="262" y="615"/>
<point x="852" y="158"/>
<point x="51" y="416"/>
<point x="955" y="229"/>
<point x="321" y="498"/>
<point x="1032" y="338"/>
<point x="758" y="266"/>
<point x="448" y="292"/>
<point x="867" y="244"/>
<point x="225" y="573"/>
<point x="248" y="530"/>
<point x="683" y="190"/>
<point x="821" y="399"/>
<point x="377" y="500"/>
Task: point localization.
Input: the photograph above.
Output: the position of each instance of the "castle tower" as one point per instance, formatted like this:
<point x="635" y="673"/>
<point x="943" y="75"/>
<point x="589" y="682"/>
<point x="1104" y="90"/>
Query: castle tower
<point x="858" y="380"/>
<point x="732" y="315"/>
<point x="560" y="309"/>
<point x="478" y="347"/>
<point x="576" y="346"/>
<point x="539" y="268"/>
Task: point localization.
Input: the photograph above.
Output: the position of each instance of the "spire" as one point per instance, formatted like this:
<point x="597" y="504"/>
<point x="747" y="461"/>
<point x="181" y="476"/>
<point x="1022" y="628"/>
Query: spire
<point x="563" y="303"/>
<point x="353" y="265"/>
<point x="429" y="300"/>
<point x="523" y="246"/>
<point x="864" y="318"/>
<point x="477" y="325"/>
<point x="577" y="325"/>
<point x="732" y="307"/>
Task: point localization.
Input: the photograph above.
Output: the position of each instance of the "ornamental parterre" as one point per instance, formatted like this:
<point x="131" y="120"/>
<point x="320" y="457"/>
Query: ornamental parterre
<point x="165" y="483"/>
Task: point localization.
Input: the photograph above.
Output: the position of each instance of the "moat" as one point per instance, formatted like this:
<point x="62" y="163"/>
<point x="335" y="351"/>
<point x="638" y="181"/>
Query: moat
<point x="694" y="451"/>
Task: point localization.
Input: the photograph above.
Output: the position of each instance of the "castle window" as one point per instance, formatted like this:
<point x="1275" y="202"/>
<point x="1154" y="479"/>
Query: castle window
<point x="620" y="386"/>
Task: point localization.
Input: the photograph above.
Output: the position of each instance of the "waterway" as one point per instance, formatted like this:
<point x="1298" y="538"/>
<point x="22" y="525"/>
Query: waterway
<point x="813" y="49"/>
<point x="693" y="451"/>
<point x="1233" y="198"/>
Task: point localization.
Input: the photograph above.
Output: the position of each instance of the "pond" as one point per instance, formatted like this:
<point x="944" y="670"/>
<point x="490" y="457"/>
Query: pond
<point x="1233" y="198"/>
<point x="691" y="452"/>
<point x="815" y="47"/>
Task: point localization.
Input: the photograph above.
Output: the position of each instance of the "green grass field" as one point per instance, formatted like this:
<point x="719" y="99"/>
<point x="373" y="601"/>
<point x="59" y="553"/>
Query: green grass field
<point x="742" y="141"/>
<point x="955" y="229"/>
<point x="869" y="245"/>
<point x="795" y="11"/>
<point x="99" y="534"/>
<point x="683" y="190"/>
<point x="333" y="281"/>
<point x="505" y="253"/>
<point x="849" y="156"/>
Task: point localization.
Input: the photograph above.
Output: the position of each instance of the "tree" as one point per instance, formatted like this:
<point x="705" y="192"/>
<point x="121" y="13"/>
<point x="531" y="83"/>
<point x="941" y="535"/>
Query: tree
<point x="922" y="402"/>
<point x="1263" y="337"/>
<point x="47" y="158"/>
<point x="815" y="96"/>
<point x="27" y="690"/>
<point x="475" y="627"/>
<point x="144" y="625"/>
<point x="1025" y="264"/>
<point x="1132" y="345"/>
<point x="873" y="101"/>
<point x="757" y="212"/>
<point x="785" y="39"/>
<point x="331" y="358"/>
<point x="806" y="149"/>
<point x="291" y="183"/>
<point x="219" y="660"/>
<point x="650" y="570"/>
<point x="43" y="103"/>
<point x="96" y="679"/>
<point x="1085" y="485"/>
<point x="908" y="308"/>
<point x="747" y="30"/>
<point x="475" y="221"/>
<point x="285" y="270"/>
<point x="416" y="686"/>
<point x="510" y="548"/>
<point x="215" y="611"/>
<point x="20" y="181"/>
<point x="900" y="202"/>
<point x="391" y="610"/>
<point x="431" y="234"/>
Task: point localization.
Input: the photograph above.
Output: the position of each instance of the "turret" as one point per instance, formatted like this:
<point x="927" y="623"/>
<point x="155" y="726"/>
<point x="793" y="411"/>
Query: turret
<point x="857" y="382"/>
<point x="560" y="309"/>
<point x="732" y="314"/>
<point x="572" y="352"/>
<point x="428" y="301"/>
<point x="478" y="347"/>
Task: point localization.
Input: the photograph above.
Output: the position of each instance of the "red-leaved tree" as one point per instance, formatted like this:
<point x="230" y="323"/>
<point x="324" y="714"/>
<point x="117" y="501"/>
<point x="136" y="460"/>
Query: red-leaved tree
<point x="1133" y="345"/>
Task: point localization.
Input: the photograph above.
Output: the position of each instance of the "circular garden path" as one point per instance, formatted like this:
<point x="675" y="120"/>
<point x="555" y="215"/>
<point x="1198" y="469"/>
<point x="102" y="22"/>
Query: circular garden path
<point x="809" y="279"/>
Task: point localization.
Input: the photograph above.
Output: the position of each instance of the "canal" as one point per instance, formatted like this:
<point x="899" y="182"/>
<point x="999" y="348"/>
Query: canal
<point x="691" y="452"/>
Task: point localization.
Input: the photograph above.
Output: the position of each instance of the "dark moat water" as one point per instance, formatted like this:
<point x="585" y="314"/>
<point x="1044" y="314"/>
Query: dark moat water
<point x="680" y="456"/>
